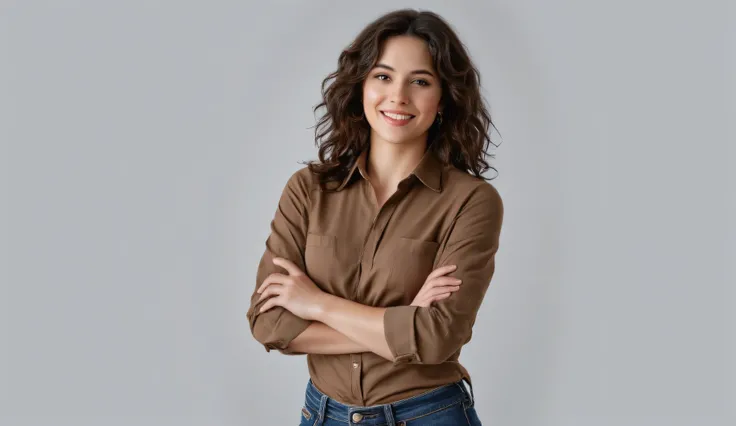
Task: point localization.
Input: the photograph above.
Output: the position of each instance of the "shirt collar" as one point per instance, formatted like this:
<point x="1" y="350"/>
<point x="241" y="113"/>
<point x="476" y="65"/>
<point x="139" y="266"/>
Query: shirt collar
<point x="428" y="171"/>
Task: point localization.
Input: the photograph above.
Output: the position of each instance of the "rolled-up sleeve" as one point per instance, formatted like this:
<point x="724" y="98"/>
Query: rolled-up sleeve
<point x="431" y="335"/>
<point x="277" y="327"/>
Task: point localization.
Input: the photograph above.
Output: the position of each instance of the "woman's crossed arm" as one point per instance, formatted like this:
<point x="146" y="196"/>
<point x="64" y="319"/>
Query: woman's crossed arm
<point x="320" y="338"/>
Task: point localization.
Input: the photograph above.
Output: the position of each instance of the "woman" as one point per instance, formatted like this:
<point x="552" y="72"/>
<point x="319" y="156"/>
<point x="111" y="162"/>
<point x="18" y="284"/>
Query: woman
<point x="381" y="252"/>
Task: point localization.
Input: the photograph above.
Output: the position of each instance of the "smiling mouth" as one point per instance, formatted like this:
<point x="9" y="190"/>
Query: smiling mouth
<point x="400" y="117"/>
<point x="396" y="121"/>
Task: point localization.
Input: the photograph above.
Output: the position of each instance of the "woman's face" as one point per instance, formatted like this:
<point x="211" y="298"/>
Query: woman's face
<point x="403" y="80"/>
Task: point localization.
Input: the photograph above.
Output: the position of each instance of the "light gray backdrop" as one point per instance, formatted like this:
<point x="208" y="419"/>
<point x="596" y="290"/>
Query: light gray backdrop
<point x="145" y="145"/>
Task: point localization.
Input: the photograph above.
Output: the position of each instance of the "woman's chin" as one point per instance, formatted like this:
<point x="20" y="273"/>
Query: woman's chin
<point x="394" y="139"/>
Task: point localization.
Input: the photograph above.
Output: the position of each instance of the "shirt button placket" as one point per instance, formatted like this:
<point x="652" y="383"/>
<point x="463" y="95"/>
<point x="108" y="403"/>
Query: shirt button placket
<point x="355" y="377"/>
<point x="366" y="243"/>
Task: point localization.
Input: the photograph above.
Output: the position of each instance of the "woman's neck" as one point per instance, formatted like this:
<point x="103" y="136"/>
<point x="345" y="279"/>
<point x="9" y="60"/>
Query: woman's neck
<point x="388" y="164"/>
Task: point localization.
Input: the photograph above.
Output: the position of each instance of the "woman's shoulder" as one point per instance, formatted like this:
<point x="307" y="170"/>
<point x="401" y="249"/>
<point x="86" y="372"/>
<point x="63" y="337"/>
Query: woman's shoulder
<point x="470" y="187"/>
<point x="303" y="180"/>
<point x="476" y="199"/>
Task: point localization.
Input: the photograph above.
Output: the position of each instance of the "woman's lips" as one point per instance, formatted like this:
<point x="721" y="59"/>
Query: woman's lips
<point x="395" y="122"/>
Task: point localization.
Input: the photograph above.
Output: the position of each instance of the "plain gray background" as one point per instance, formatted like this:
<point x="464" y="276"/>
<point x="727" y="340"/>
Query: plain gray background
<point x="145" y="145"/>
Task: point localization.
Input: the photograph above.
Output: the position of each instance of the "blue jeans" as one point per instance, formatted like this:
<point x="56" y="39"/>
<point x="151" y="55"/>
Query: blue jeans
<point x="447" y="405"/>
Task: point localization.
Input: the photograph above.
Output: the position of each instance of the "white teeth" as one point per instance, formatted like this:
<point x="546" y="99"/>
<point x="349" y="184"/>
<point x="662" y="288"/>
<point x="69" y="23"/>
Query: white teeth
<point x="397" y="116"/>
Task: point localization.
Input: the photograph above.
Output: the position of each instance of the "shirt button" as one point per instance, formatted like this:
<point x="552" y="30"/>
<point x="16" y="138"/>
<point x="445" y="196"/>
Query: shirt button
<point x="357" y="417"/>
<point x="355" y="365"/>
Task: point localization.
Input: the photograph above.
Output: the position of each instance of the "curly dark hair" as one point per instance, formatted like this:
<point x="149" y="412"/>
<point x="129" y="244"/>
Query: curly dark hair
<point x="342" y="133"/>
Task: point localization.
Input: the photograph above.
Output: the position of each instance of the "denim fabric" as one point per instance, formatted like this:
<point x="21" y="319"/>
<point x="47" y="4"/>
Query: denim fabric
<point x="447" y="405"/>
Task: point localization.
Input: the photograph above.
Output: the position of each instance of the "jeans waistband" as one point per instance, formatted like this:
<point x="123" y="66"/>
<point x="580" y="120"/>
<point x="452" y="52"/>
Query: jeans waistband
<point x="389" y="414"/>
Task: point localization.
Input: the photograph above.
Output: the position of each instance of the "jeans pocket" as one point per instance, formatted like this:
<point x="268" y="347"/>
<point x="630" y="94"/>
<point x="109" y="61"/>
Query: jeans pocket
<point x="453" y="414"/>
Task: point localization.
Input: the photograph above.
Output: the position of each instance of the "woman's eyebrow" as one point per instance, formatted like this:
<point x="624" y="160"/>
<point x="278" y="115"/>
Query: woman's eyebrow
<point x="413" y="72"/>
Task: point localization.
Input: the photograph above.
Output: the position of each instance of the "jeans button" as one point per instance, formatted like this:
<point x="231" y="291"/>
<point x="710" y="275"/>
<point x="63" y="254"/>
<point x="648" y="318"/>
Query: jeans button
<point x="357" y="417"/>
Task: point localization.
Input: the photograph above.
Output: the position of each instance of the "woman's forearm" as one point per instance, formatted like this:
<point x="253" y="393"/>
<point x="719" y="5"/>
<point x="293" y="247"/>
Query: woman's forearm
<point x="319" y="338"/>
<point x="360" y="323"/>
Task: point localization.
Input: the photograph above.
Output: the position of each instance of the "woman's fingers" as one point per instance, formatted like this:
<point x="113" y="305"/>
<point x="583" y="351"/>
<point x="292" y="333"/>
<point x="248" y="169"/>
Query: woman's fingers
<point x="438" y="282"/>
<point x="428" y="300"/>
<point x="442" y="270"/>
<point x="441" y="281"/>
<point x="447" y="281"/>
<point x="272" y="278"/>
<point x="270" y="303"/>
<point x="287" y="264"/>
<point x="442" y="290"/>
<point x="440" y="297"/>
<point x="273" y="289"/>
<point x="434" y="294"/>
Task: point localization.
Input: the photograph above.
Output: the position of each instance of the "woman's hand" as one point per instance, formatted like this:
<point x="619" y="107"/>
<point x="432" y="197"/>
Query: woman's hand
<point x="437" y="287"/>
<point x="295" y="292"/>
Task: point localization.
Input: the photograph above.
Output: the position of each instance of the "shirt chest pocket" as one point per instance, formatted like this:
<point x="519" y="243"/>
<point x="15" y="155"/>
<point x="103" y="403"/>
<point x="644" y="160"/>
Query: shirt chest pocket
<point x="329" y="262"/>
<point x="410" y="261"/>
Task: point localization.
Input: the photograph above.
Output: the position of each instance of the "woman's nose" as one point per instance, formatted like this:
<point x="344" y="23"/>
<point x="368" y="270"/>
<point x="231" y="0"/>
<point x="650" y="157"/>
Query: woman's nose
<point x="399" y="94"/>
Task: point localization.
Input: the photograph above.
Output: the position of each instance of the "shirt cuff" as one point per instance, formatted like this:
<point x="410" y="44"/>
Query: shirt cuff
<point x="399" y="330"/>
<point x="279" y="333"/>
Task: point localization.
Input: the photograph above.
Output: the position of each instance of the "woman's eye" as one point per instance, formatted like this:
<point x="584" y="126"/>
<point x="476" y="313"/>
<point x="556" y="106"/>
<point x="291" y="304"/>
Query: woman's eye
<point x="422" y="82"/>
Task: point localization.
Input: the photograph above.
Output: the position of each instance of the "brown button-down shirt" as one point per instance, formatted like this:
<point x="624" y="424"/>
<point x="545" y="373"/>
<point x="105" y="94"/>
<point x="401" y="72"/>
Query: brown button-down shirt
<point x="351" y="248"/>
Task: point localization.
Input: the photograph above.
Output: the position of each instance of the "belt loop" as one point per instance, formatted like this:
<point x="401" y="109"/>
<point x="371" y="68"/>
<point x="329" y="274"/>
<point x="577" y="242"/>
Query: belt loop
<point x="322" y="411"/>
<point x="387" y="410"/>
<point x="472" y="397"/>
